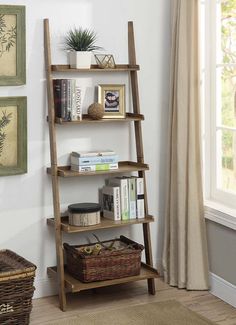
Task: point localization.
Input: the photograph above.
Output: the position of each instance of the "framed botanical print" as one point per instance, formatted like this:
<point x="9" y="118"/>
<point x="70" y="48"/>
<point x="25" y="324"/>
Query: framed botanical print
<point x="13" y="135"/>
<point x="12" y="45"/>
<point x="112" y="98"/>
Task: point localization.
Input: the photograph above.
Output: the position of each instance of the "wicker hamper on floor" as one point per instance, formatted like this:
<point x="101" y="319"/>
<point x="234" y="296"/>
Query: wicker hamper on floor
<point x="109" y="264"/>
<point x="16" y="288"/>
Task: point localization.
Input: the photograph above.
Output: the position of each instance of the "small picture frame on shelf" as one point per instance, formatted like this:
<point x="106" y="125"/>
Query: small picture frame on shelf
<point x="12" y="45"/>
<point x="13" y="135"/>
<point x="112" y="98"/>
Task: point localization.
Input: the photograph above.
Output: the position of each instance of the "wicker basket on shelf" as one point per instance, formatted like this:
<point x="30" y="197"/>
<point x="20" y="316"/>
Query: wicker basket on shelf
<point x="122" y="260"/>
<point x="16" y="288"/>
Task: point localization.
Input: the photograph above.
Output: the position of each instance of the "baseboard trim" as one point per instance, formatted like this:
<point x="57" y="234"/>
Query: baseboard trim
<point x="223" y="289"/>
<point x="44" y="288"/>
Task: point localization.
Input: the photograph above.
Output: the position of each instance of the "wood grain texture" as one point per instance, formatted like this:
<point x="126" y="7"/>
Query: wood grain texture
<point x="124" y="167"/>
<point x="105" y="224"/>
<point x="54" y="169"/>
<point x="74" y="285"/>
<point x="139" y="146"/>
<point x="46" y="310"/>
<point x="87" y="119"/>
<point x="95" y="68"/>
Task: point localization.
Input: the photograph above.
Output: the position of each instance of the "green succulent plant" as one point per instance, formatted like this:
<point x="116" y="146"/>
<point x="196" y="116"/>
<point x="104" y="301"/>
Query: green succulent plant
<point x="81" y="40"/>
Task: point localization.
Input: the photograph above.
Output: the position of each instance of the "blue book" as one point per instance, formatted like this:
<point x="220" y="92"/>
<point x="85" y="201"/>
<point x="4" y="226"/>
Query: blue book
<point x="87" y="161"/>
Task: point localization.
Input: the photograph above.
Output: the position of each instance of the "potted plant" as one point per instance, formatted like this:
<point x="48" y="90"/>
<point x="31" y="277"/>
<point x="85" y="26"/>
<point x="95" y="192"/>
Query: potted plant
<point x="81" y="42"/>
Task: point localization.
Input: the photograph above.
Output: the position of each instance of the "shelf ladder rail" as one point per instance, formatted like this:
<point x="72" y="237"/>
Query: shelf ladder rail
<point x="54" y="165"/>
<point x="139" y="147"/>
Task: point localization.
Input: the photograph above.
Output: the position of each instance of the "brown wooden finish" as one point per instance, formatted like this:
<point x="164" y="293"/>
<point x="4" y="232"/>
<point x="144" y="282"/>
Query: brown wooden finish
<point x="54" y="172"/>
<point x="60" y="224"/>
<point x="105" y="224"/>
<point x="73" y="285"/>
<point x="124" y="167"/>
<point x="139" y="147"/>
<point x="95" y="68"/>
<point x="86" y="119"/>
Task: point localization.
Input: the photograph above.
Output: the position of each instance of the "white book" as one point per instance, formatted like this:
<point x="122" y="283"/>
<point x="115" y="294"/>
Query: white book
<point x="140" y="198"/>
<point x="78" y="101"/>
<point x="111" y="202"/>
<point x="124" y="195"/>
<point x="82" y="161"/>
<point x="75" y="100"/>
<point x="95" y="153"/>
<point x="132" y="196"/>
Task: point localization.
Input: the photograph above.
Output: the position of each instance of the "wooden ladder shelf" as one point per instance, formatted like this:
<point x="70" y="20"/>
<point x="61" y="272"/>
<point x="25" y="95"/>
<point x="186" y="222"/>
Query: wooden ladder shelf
<point x="65" y="281"/>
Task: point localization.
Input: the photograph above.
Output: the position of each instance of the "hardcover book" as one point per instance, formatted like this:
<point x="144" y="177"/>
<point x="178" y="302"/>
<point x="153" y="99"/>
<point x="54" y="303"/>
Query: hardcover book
<point x="63" y="99"/>
<point x="57" y="96"/>
<point x="67" y="99"/>
<point x="140" y="197"/>
<point x="132" y="197"/>
<point x="78" y="102"/>
<point x="93" y="160"/>
<point x="94" y="168"/>
<point x="93" y="153"/>
<point x="124" y="195"/>
<point x="111" y="202"/>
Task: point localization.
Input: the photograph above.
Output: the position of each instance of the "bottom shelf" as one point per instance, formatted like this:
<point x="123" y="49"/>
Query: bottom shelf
<point x="73" y="285"/>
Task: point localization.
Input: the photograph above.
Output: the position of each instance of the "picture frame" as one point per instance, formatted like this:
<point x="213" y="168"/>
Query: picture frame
<point x="13" y="135"/>
<point x="12" y="45"/>
<point x="112" y="98"/>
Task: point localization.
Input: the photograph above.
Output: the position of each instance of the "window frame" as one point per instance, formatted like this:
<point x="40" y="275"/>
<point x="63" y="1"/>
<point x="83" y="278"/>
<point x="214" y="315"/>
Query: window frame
<point x="210" y="111"/>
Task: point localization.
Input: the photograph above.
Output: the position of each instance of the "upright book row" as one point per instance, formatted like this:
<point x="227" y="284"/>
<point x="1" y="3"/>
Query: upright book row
<point x="67" y="99"/>
<point x="123" y="198"/>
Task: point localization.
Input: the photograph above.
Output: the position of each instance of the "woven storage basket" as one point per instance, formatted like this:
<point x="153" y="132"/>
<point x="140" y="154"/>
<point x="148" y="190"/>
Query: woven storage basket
<point x="16" y="288"/>
<point x="109" y="264"/>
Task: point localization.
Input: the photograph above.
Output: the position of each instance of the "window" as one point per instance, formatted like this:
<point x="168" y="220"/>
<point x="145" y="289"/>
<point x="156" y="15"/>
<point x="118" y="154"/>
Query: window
<point x="218" y="31"/>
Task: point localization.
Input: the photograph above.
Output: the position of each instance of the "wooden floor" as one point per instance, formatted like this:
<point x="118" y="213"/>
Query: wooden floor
<point x="46" y="310"/>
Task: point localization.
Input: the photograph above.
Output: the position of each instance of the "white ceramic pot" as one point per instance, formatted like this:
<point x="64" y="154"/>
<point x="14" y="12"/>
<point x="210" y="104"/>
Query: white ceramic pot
<point x="80" y="59"/>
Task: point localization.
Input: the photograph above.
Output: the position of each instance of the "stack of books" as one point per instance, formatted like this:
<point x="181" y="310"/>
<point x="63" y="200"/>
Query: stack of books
<point x="67" y="99"/>
<point x="123" y="198"/>
<point x="92" y="161"/>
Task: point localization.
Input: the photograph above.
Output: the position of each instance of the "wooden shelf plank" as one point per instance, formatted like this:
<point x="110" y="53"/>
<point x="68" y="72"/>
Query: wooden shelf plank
<point x="105" y="224"/>
<point x="124" y="167"/>
<point x="86" y="119"/>
<point x="94" y="68"/>
<point x="73" y="285"/>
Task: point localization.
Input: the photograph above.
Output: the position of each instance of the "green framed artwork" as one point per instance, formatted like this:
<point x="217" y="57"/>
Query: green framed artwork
<point x="12" y="45"/>
<point x="13" y="135"/>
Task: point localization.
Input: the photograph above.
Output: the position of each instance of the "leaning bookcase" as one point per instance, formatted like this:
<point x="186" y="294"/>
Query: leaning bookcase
<point x="66" y="283"/>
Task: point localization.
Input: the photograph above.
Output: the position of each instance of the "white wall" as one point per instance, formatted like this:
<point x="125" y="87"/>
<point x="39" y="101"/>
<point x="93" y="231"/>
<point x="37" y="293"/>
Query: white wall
<point x="26" y="200"/>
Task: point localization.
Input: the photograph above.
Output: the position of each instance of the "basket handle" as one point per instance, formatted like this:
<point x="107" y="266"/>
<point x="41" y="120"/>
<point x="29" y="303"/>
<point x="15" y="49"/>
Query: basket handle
<point x="131" y="242"/>
<point x="70" y="249"/>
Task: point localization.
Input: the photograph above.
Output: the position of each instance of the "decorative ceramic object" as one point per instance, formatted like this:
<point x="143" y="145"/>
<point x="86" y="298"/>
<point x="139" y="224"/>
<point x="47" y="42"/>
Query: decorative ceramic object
<point x="80" y="59"/>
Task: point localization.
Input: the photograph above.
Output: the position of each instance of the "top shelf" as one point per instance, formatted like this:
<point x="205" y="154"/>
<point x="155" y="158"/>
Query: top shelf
<point x="94" y="68"/>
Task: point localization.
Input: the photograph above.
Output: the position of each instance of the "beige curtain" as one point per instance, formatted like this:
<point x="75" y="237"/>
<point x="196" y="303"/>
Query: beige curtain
<point x="185" y="250"/>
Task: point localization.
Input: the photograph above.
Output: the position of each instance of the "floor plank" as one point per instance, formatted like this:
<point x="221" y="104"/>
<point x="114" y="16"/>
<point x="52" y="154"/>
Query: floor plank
<point x="46" y="309"/>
